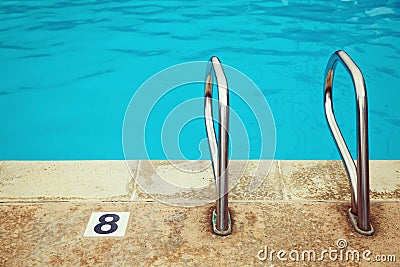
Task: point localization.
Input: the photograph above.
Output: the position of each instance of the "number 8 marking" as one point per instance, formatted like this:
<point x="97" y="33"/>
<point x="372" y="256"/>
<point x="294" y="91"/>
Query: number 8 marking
<point x="112" y="223"/>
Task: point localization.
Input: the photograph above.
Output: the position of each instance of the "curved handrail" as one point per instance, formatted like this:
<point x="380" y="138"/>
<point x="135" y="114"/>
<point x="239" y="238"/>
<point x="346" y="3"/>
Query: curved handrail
<point x="219" y="153"/>
<point x="358" y="176"/>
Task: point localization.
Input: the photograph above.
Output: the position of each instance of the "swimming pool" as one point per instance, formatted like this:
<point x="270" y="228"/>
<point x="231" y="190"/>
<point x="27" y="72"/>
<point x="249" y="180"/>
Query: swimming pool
<point x="69" y="69"/>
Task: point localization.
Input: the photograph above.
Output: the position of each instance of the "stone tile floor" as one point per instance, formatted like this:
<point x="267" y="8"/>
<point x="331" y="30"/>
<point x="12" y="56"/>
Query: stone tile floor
<point x="300" y="206"/>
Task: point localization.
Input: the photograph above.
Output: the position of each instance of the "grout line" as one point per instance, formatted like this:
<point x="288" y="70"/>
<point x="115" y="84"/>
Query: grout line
<point x="284" y="188"/>
<point x="134" y="195"/>
<point x="152" y="201"/>
<point x="75" y="202"/>
<point x="290" y="201"/>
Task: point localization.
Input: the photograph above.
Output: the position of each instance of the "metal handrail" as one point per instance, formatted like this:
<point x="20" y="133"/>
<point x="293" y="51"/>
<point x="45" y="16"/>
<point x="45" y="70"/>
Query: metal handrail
<point x="221" y="218"/>
<point x="359" y="213"/>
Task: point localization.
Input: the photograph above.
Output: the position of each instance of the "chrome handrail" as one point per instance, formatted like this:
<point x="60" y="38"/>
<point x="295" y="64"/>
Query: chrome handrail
<point x="221" y="218"/>
<point x="358" y="176"/>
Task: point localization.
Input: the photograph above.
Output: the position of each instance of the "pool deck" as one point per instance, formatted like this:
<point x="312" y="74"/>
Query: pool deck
<point x="300" y="205"/>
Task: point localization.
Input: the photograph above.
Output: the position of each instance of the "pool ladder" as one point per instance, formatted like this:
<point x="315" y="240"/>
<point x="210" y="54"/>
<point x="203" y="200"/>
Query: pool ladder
<point x="221" y="219"/>
<point x="359" y="213"/>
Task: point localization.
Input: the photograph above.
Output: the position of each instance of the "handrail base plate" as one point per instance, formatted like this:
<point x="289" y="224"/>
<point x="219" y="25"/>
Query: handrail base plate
<point x="354" y="221"/>
<point x="214" y="224"/>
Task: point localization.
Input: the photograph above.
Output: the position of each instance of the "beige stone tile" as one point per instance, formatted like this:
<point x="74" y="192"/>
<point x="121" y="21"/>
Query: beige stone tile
<point x="191" y="183"/>
<point x="384" y="179"/>
<point x="315" y="180"/>
<point x="259" y="181"/>
<point x="162" y="235"/>
<point x="327" y="180"/>
<point x="188" y="183"/>
<point x="64" y="180"/>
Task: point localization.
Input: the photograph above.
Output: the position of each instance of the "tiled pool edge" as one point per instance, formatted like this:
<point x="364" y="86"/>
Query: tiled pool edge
<point x="288" y="180"/>
<point x="51" y="234"/>
<point x="48" y="229"/>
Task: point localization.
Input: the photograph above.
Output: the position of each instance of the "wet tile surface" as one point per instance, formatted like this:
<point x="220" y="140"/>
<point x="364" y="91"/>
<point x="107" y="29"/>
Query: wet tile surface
<point x="183" y="181"/>
<point x="161" y="235"/>
<point x="315" y="180"/>
<point x="280" y="180"/>
<point x="64" y="180"/>
<point x="261" y="180"/>
<point x="327" y="180"/>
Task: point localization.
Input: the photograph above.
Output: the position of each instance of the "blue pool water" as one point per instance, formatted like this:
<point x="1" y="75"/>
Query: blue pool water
<point x="68" y="70"/>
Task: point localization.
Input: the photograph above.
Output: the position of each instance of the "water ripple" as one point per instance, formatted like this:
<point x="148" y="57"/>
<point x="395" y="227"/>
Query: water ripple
<point x="283" y="44"/>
